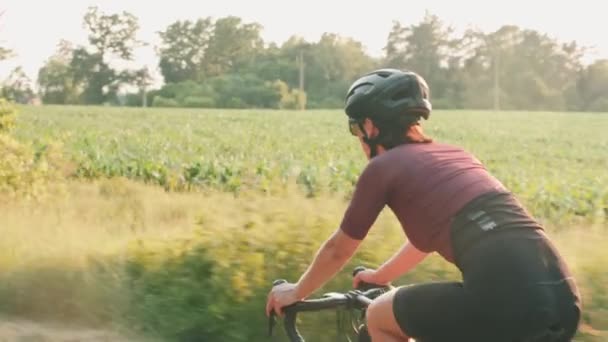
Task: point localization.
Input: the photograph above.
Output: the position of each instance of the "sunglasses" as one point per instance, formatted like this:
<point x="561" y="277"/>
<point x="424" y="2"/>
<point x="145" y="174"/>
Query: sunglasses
<point x="355" y="129"/>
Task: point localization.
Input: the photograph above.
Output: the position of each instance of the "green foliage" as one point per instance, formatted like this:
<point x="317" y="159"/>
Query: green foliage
<point x="593" y="86"/>
<point x="226" y="268"/>
<point x="193" y="51"/>
<point x="512" y="68"/>
<point x="17" y="87"/>
<point x="56" y="83"/>
<point x="232" y="47"/>
<point x="57" y="79"/>
<point x="228" y="91"/>
<point x="7" y="116"/>
<point x="198" y="102"/>
<point x="244" y="91"/>
<point x="27" y="173"/>
<point x="290" y="99"/>
<point x="4" y="52"/>
<point x="183" y="49"/>
<point x="160" y="101"/>
<point x="112" y="33"/>
<point x="82" y="74"/>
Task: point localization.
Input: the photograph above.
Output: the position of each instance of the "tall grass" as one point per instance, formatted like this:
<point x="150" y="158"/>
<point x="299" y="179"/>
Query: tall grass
<point x="196" y="266"/>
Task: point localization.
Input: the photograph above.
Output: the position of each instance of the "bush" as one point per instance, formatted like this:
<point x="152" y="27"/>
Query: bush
<point x="600" y="105"/>
<point x="7" y="116"/>
<point x="198" y="102"/>
<point x="327" y="103"/>
<point x="205" y="287"/>
<point x="25" y="173"/>
<point x="289" y="99"/>
<point x="133" y="100"/>
<point x="160" y="101"/>
<point x="248" y="90"/>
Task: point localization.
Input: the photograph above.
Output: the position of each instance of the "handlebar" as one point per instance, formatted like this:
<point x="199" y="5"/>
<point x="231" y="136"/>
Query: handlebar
<point x="354" y="299"/>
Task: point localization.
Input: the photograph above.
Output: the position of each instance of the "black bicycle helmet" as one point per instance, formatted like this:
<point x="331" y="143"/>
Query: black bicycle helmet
<point x="387" y="93"/>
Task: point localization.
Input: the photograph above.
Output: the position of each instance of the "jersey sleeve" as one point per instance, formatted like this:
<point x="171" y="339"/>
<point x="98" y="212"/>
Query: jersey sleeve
<point x="368" y="200"/>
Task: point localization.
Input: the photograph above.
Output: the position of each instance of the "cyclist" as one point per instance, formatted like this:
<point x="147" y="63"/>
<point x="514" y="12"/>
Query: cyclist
<point x="515" y="285"/>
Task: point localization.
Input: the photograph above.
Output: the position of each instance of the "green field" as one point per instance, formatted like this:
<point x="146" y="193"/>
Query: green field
<point x="556" y="162"/>
<point x="171" y="223"/>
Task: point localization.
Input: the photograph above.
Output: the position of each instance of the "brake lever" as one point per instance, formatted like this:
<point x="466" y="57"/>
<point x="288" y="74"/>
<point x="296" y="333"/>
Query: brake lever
<point x="272" y="318"/>
<point x="271" y="323"/>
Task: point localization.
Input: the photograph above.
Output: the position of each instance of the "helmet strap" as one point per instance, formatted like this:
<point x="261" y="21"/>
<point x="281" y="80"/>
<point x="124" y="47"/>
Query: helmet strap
<point x="371" y="142"/>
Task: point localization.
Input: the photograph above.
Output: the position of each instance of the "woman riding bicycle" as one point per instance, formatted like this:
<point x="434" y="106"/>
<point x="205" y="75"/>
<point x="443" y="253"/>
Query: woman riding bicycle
<point x="515" y="287"/>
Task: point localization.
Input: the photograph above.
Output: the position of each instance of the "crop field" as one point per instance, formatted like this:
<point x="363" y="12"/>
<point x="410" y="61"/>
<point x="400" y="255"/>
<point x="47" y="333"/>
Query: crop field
<point x="172" y="223"/>
<point x="556" y="162"/>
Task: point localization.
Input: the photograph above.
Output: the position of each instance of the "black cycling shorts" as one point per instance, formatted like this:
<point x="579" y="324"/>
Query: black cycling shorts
<point x="515" y="285"/>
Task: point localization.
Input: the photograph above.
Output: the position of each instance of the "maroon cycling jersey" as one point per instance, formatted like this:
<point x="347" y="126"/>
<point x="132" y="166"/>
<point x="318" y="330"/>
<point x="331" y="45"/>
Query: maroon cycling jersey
<point x="425" y="185"/>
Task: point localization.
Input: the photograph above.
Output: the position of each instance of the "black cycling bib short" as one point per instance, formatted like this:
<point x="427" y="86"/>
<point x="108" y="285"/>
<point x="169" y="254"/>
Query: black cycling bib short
<point x="515" y="287"/>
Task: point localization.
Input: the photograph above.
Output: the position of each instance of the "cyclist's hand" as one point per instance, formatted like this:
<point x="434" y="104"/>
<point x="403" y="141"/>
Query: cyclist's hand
<point x="280" y="296"/>
<point x="367" y="276"/>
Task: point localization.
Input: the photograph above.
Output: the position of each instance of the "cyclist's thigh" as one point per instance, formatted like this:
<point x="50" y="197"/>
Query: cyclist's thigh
<point x="380" y="315"/>
<point x="442" y="311"/>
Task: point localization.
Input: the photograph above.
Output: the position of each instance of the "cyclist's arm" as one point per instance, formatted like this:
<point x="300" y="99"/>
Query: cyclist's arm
<point x="331" y="257"/>
<point x="400" y="263"/>
<point x="368" y="200"/>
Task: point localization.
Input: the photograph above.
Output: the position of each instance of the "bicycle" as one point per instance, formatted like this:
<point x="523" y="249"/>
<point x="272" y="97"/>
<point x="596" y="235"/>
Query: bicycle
<point x="358" y="299"/>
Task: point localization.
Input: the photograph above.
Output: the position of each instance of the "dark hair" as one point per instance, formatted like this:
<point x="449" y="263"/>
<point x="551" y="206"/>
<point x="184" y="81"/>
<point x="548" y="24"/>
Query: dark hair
<point x="404" y="129"/>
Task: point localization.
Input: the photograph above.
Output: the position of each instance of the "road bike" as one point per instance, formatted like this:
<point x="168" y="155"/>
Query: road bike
<point x="354" y="301"/>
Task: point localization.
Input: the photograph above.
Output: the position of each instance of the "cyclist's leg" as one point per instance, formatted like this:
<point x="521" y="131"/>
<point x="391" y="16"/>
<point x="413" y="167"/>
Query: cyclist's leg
<point x="381" y="322"/>
<point x="441" y="312"/>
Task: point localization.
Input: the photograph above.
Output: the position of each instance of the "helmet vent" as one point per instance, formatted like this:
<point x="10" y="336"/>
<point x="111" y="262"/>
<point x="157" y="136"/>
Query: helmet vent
<point x="401" y="94"/>
<point x="363" y="87"/>
<point x="384" y="74"/>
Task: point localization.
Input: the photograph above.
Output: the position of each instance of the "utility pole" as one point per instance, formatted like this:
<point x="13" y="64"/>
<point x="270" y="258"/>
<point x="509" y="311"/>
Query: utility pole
<point x="145" y="97"/>
<point x="300" y="61"/>
<point x="496" y="80"/>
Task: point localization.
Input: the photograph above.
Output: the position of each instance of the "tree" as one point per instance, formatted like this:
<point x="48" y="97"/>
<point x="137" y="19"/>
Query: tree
<point x="424" y="48"/>
<point x="4" y="52"/>
<point x="324" y="69"/>
<point x="56" y="79"/>
<point x="592" y="87"/>
<point x="511" y="68"/>
<point x="332" y="64"/>
<point x="110" y="36"/>
<point x="142" y="79"/>
<point x="514" y="68"/>
<point x="485" y="55"/>
<point x="232" y="47"/>
<point x="183" y="48"/>
<point x="18" y="87"/>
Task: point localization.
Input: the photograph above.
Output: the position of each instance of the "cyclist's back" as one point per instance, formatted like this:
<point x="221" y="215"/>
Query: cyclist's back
<point x="515" y="284"/>
<point x="425" y="185"/>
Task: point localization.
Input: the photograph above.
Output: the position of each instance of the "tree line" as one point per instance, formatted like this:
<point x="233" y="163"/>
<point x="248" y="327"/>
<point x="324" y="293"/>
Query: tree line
<point x="225" y="63"/>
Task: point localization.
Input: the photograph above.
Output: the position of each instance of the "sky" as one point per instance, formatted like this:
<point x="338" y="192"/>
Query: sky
<point x="32" y="29"/>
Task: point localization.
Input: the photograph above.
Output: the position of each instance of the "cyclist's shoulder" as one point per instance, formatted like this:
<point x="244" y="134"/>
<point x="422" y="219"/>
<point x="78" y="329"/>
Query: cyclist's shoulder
<point x="418" y="150"/>
<point x="433" y="148"/>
